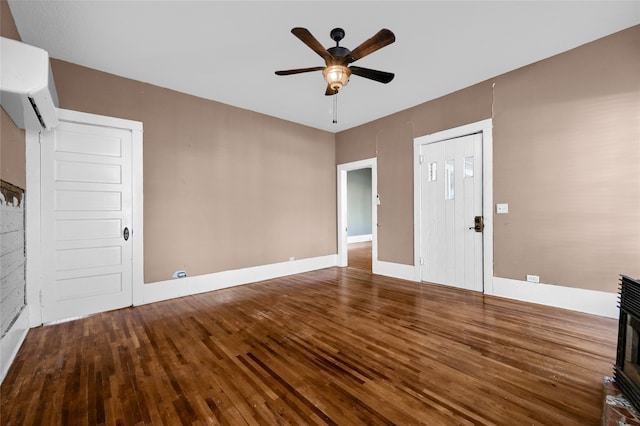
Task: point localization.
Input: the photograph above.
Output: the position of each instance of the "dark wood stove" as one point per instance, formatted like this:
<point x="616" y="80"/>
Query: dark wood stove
<point x="627" y="368"/>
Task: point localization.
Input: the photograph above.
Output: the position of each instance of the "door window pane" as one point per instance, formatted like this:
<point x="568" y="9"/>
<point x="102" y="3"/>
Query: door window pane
<point x="449" y="180"/>
<point x="468" y="166"/>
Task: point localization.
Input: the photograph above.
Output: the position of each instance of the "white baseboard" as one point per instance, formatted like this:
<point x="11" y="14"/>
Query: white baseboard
<point x="359" y="238"/>
<point x="394" y="270"/>
<point x="164" y="290"/>
<point x="575" y="299"/>
<point x="11" y="342"/>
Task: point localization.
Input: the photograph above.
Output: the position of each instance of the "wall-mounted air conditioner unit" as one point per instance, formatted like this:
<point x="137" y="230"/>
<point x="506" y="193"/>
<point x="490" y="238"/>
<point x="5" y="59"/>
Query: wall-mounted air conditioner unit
<point x="27" y="91"/>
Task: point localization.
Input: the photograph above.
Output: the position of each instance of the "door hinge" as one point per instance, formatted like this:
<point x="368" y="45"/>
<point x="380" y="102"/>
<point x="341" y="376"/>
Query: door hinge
<point x="41" y="299"/>
<point x="422" y="260"/>
<point x="421" y="158"/>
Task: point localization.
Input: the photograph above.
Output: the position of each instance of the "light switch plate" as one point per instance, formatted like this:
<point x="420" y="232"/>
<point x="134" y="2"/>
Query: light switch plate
<point x="502" y="208"/>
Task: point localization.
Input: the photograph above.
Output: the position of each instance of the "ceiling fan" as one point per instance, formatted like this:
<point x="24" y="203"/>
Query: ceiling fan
<point x="337" y="58"/>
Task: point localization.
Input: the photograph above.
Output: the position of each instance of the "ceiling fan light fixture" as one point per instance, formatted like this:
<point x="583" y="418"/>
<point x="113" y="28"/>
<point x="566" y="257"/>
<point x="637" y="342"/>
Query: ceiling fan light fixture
<point x="337" y="76"/>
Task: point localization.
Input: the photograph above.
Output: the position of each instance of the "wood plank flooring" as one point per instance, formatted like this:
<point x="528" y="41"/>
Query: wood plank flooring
<point x="338" y="346"/>
<point x="360" y="256"/>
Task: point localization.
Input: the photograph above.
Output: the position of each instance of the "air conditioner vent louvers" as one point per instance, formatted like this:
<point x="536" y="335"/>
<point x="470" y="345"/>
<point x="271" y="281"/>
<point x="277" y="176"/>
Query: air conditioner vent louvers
<point x="37" y="111"/>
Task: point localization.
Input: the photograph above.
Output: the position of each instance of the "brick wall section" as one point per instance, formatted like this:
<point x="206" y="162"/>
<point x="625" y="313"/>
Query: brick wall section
<point x="12" y="255"/>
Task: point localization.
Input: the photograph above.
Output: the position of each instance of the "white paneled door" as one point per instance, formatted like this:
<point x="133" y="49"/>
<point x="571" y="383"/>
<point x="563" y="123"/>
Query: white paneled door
<point x="451" y="210"/>
<point x="86" y="220"/>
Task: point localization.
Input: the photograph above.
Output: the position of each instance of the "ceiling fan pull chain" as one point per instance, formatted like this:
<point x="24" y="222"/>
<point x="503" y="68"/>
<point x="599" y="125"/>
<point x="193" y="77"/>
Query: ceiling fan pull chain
<point x="335" y="108"/>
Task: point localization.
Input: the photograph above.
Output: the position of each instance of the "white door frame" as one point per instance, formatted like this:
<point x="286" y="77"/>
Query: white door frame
<point x="343" y="250"/>
<point x="34" y="274"/>
<point x="486" y="128"/>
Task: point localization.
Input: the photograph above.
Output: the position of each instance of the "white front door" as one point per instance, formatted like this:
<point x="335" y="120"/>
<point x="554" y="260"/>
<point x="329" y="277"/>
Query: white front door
<point x="86" y="219"/>
<point x="451" y="200"/>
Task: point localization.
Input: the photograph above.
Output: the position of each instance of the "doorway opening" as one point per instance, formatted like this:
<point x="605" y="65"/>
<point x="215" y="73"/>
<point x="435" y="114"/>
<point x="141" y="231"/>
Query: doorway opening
<point x="357" y="213"/>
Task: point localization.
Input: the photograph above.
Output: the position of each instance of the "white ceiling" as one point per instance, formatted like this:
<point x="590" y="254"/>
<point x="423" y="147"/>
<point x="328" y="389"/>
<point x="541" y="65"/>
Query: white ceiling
<point x="228" y="51"/>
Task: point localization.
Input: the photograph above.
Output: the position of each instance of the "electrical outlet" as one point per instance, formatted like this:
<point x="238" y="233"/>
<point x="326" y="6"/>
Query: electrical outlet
<point x="180" y="274"/>
<point x="502" y="208"/>
<point x="291" y="259"/>
<point x="533" y="279"/>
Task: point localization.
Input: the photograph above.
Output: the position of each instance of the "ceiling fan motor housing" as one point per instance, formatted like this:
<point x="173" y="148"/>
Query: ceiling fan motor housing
<point x="338" y="52"/>
<point x="337" y="73"/>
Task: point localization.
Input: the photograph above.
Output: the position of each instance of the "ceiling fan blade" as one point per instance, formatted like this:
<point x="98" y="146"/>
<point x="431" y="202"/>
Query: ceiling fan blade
<point x="383" y="38"/>
<point x="307" y="38"/>
<point x="330" y="91"/>
<point x="381" y="76"/>
<point x="298" y="70"/>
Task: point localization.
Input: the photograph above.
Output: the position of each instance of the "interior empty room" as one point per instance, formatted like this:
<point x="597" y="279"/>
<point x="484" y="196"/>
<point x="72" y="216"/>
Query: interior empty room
<point x="318" y="212"/>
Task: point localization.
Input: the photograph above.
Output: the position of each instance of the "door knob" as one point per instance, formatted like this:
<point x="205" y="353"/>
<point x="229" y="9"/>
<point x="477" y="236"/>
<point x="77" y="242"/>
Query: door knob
<point x="478" y="224"/>
<point x="125" y="234"/>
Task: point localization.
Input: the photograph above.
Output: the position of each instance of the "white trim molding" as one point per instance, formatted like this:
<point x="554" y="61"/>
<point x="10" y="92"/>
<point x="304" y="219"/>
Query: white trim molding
<point x="33" y="273"/>
<point x="137" y="228"/>
<point x="395" y="270"/>
<point x="11" y="342"/>
<point x="575" y="299"/>
<point x="170" y="289"/>
<point x="359" y="238"/>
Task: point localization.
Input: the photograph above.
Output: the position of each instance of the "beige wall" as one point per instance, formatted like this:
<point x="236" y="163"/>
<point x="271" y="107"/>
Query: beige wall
<point x="566" y="159"/>
<point x="12" y="149"/>
<point x="224" y="188"/>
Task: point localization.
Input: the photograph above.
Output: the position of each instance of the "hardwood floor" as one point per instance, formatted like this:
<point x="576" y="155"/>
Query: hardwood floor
<point x="338" y="346"/>
<point x="360" y="256"/>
